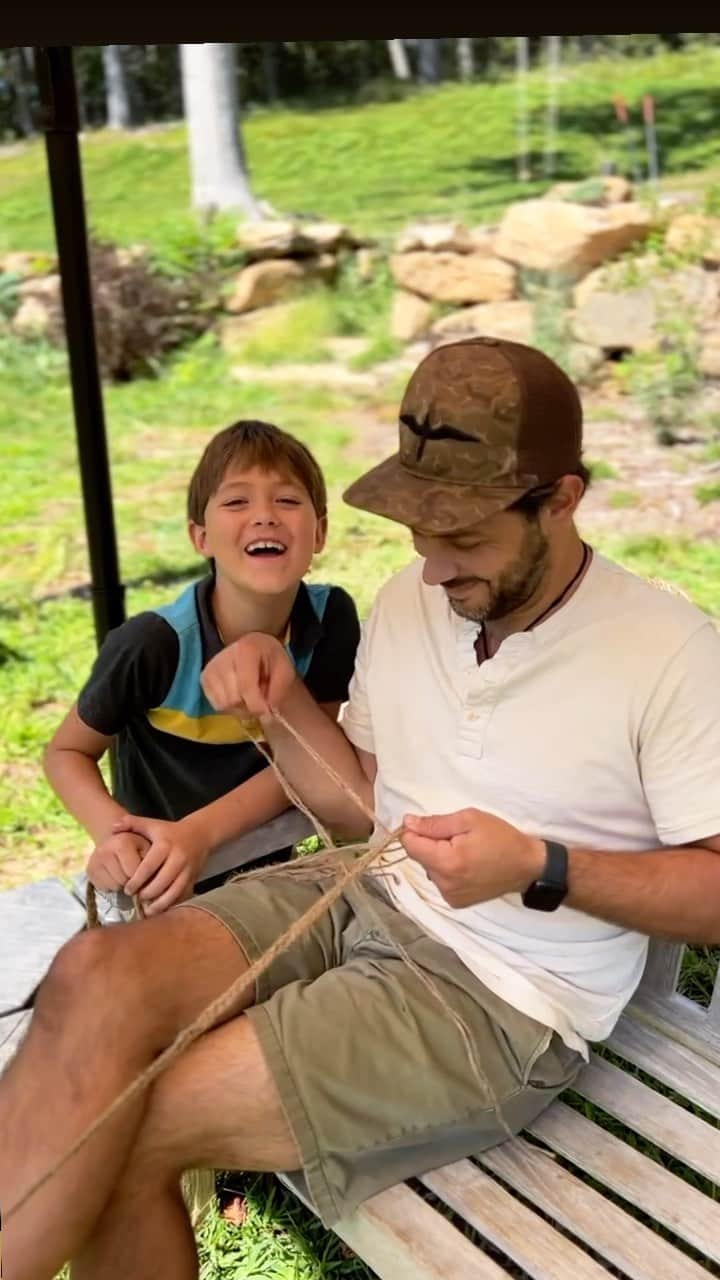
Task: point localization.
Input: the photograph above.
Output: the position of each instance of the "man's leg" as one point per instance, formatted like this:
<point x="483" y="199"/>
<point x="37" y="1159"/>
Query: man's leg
<point x="114" y="998"/>
<point x="216" y="1107"/>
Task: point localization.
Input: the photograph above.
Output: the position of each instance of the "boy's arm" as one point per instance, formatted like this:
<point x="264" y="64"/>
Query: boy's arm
<point x="71" y="767"/>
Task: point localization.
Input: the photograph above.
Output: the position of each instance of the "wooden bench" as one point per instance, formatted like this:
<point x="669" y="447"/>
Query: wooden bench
<point x="553" y="1204"/>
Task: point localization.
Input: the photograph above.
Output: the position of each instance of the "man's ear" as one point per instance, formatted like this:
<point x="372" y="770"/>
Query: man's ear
<point x="321" y="534"/>
<point x="198" y="536"/>
<point x="564" y="501"/>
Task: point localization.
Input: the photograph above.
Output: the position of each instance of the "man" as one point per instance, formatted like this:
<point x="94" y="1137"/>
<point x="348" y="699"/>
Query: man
<point x="543" y="726"/>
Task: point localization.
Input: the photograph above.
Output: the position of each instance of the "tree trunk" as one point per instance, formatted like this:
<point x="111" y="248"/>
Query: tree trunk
<point x="521" y="108"/>
<point x="465" y="59"/>
<point x="217" y="158"/>
<point x="552" y="44"/>
<point x="270" y="71"/>
<point x="399" y="59"/>
<point x="429" y="61"/>
<point x="117" y="92"/>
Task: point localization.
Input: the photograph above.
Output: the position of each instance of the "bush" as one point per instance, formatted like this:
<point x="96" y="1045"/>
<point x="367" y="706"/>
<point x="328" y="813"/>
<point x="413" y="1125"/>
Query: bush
<point x="139" y="313"/>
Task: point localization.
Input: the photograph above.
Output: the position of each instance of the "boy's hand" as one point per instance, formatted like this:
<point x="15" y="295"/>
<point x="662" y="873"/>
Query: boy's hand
<point x="116" y="860"/>
<point x="171" y="865"/>
<point x="249" y="676"/>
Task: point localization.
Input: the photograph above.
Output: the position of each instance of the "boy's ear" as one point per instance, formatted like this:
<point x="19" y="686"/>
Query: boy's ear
<point x="198" y="537"/>
<point x="321" y="534"/>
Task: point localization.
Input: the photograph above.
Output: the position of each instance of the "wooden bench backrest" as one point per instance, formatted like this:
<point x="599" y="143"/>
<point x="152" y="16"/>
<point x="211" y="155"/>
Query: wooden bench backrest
<point x="659" y="1003"/>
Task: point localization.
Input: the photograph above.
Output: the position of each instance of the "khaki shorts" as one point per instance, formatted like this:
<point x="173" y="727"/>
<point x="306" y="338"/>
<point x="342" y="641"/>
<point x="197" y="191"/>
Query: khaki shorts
<point x="374" y="1075"/>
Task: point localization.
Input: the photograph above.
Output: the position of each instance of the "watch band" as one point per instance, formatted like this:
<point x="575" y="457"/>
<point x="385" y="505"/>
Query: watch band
<point x="548" y="891"/>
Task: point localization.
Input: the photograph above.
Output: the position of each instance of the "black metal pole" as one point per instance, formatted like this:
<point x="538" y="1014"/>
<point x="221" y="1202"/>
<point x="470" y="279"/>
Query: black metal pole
<point x="60" y="123"/>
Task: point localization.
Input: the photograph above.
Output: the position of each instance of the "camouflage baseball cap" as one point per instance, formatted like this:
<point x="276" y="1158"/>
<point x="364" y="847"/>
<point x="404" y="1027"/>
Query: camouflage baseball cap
<point x="482" y="421"/>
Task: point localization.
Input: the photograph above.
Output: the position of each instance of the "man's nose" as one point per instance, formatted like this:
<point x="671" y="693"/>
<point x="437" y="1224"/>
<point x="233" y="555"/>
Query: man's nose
<point x="438" y="569"/>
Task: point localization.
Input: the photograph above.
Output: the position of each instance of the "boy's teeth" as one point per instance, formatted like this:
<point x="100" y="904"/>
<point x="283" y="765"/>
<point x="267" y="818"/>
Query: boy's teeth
<point x="265" y="544"/>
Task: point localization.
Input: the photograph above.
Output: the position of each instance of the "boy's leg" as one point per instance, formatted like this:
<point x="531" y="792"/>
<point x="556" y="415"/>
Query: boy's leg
<point x="217" y="1107"/>
<point x="113" y="999"/>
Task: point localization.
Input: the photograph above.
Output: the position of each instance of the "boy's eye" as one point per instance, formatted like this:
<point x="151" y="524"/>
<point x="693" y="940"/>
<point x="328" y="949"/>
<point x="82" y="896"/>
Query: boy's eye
<point x="236" y="502"/>
<point x="289" y="500"/>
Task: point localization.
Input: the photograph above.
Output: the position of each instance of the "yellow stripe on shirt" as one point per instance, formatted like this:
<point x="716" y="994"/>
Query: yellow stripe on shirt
<point x="214" y="729"/>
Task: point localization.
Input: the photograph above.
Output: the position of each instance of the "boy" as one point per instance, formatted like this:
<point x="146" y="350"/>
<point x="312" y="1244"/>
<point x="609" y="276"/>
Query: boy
<point x="189" y="779"/>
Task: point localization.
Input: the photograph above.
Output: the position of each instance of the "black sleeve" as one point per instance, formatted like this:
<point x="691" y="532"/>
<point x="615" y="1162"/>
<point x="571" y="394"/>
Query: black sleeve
<point x="132" y="672"/>
<point x="328" y="676"/>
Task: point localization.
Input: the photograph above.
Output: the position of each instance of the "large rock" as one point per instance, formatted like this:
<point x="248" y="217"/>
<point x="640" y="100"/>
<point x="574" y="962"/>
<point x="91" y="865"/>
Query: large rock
<point x="511" y="320"/>
<point x="39" y="313"/>
<point x="695" y="233"/>
<point x="435" y="237"/>
<point x="284" y="238"/>
<point x="27" y="264"/>
<point x="612" y="317"/>
<point x="264" y="283"/>
<point x="617" y="321"/>
<point x="410" y="317"/>
<point x="604" y="189"/>
<point x="454" y="277"/>
<point x="568" y="239"/>
<point x="709" y="359"/>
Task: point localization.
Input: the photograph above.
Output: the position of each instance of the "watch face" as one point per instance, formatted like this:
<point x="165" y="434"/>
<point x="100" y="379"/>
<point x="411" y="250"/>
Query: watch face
<point x="542" y="896"/>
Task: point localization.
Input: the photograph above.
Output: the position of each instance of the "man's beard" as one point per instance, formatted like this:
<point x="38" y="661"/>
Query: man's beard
<point x="516" y="584"/>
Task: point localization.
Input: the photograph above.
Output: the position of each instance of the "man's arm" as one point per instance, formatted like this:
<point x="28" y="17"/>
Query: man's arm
<point x="320" y="793"/>
<point x="671" y="893"/>
<point x="666" y="893"/>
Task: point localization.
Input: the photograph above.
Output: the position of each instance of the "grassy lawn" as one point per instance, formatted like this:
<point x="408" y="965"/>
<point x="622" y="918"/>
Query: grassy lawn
<point x="443" y="151"/>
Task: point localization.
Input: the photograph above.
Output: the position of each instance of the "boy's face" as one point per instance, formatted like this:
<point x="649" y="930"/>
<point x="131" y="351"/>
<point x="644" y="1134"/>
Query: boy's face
<point x="261" y="529"/>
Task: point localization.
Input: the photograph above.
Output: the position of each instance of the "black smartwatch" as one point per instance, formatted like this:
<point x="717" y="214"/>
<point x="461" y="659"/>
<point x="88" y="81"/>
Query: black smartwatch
<point x="546" y="893"/>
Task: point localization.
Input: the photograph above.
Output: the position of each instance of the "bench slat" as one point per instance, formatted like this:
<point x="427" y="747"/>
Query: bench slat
<point x="669" y="1062"/>
<point x="399" y="1235"/>
<point x="655" y="1117"/>
<point x="526" y="1238"/>
<point x="666" y="1198"/>
<point x="35" y="921"/>
<point x="626" y="1243"/>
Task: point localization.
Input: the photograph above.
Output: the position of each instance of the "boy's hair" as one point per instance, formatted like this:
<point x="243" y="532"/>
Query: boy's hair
<point x="254" y="444"/>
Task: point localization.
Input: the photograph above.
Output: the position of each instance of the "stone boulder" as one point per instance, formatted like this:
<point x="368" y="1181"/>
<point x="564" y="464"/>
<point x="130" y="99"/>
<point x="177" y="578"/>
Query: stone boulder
<point x="554" y="236"/>
<point x="435" y="237"/>
<point x="696" y="233"/>
<point x="39" y="311"/>
<point x="263" y="283"/>
<point x="27" y="264"/>
<point x="454" y="277"/>
<point x="612" y="316"/>
<point x="604" y="189"/>
<point x="410" y="316"/>
<point x="511" y="320"/>
<point x="285" y="238"/>
<point x="709" y="358"/>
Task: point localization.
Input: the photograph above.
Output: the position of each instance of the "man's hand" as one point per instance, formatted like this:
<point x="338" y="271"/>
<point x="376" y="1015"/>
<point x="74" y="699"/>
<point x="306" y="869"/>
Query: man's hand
<point x="116" y="860"/>
<point x="249" y="676"/>
<point x="170" y="867"/>
<point x="473" y="856"/>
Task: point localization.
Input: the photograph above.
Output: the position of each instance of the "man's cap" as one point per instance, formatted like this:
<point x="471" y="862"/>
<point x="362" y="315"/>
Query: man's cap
<point x="482" y="422"/>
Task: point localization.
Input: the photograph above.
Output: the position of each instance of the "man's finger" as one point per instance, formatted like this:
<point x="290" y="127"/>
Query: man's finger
<point x="432" y="854"/>
<point x="440" y="826"/>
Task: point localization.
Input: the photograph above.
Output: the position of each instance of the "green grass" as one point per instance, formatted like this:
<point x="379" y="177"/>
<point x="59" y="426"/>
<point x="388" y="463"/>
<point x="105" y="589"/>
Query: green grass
<point x="445" y="151"/>
<point x="602" y="470"/>
<point x="619" y="499"/>
<point x="706" y="493"/>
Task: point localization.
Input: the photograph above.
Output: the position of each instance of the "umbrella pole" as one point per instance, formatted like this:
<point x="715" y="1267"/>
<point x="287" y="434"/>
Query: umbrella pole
<point x="60" y="123"/>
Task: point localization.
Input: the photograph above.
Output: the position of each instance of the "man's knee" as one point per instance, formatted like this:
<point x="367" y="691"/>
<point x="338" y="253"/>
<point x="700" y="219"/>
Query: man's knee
<point x="85" y="973"/>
